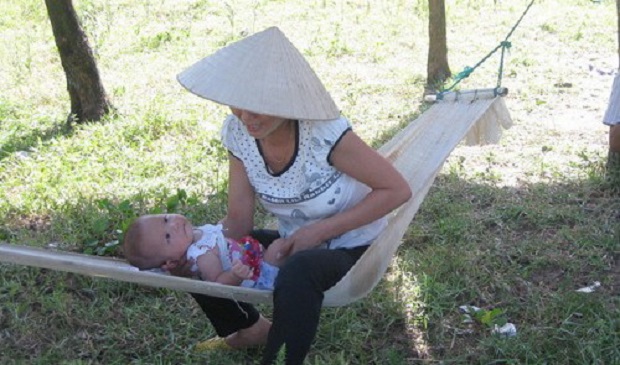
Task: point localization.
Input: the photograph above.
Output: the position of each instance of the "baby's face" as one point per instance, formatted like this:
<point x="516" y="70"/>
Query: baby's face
<point x="170" y="234"/>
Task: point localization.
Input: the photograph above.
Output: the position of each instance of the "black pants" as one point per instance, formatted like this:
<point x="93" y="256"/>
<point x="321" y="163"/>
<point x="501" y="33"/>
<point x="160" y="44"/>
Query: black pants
<point x="297" y="300"/>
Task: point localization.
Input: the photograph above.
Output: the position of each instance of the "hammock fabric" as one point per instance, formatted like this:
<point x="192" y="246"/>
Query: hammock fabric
<point x="418" y="152"/>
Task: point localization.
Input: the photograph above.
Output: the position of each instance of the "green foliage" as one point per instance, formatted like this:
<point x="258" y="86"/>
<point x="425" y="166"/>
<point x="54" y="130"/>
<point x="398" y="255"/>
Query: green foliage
<point x="549" y="28"/>
<point x="162" y="38"/>
<point x="490" y="318"/>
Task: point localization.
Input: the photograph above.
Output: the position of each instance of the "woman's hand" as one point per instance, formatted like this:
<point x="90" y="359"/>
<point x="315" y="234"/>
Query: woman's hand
<point x="304" y="238"/>
<point x="182" y="267"/>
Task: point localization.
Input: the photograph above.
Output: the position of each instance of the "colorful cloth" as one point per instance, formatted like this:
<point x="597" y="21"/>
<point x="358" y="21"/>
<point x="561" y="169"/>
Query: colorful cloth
<point x="250" y="253"/>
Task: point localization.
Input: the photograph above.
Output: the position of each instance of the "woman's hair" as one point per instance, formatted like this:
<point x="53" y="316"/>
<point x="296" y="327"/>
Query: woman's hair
<point x="136" y="248"/>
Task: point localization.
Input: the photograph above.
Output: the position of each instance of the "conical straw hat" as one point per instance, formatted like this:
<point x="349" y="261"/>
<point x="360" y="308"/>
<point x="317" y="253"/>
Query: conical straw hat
<point x="265" y="74"/>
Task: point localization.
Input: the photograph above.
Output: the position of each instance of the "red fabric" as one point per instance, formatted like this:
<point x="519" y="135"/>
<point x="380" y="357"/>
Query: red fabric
<point x="252" y="255"/>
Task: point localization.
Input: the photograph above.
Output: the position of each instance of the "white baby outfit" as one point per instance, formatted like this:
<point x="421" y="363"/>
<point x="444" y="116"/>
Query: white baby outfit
<point x="212" y="235"/>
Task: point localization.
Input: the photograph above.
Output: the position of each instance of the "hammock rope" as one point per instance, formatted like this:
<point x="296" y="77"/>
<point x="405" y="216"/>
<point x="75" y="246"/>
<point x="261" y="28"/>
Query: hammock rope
<point x="504" y="45"/>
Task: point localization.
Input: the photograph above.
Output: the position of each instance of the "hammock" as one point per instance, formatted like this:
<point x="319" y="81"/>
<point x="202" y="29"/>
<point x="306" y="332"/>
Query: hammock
<point x="418" y="152"/>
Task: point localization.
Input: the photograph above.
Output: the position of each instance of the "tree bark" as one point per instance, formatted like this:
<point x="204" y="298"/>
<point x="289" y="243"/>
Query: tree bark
<point x="438" y="70"/>
<point x="89" y="101"/>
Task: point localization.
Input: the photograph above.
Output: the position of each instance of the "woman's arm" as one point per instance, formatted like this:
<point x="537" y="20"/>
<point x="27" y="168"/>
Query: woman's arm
<point x="239" y="220"/>
<point x="389" y="190"/>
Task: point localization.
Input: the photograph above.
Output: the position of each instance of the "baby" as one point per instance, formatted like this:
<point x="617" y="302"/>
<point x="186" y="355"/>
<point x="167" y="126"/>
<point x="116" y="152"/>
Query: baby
<point x="167" y="241"/>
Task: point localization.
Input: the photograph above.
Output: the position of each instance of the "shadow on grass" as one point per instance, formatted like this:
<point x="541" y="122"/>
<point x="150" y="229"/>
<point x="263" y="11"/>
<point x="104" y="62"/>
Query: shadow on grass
<point x="522" y="250"/>
<point x="16" y="141"/>
<point x="121" y="322"/>
<point x="23" y="132"/>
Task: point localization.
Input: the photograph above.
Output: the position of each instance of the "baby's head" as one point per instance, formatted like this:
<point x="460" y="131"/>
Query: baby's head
<point x="157" y="240"/>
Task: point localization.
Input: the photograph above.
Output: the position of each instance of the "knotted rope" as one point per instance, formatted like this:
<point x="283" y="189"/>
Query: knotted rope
<point x="504" y="45"/>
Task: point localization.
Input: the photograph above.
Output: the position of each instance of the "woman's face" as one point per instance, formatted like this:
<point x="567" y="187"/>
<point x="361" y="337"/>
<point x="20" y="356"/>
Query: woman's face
<point x="259" y="126"/>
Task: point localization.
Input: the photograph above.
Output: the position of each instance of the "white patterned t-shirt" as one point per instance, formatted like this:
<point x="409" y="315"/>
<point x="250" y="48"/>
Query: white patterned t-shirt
<point x="309" y="188"/>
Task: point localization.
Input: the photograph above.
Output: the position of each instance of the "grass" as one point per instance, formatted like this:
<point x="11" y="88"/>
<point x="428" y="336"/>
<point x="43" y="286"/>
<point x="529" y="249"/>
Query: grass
<point x="514" y="229"/>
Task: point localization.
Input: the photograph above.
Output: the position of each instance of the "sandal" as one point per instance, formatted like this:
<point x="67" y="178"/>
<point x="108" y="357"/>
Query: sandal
<point x="213" y="344"/>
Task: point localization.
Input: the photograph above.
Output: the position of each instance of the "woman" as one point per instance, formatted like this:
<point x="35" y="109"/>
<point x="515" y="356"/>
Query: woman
<point x="290" y="149"/>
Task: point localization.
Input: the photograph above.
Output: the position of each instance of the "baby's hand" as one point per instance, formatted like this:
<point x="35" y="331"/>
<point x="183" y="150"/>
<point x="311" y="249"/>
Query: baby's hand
<point x="183" y="267"/>
<point x="240" y="270"/>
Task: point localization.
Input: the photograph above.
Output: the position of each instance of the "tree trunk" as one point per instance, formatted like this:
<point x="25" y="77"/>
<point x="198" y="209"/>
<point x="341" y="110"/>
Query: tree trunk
<point x="613" y="158"/>
<point x="438" y="70"/>
<point x="89" y="101"/>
